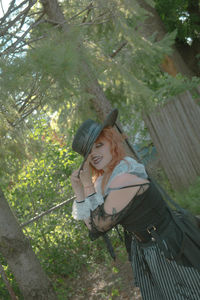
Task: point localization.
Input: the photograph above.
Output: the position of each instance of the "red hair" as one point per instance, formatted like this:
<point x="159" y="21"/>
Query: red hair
<point x="117" y="150"/>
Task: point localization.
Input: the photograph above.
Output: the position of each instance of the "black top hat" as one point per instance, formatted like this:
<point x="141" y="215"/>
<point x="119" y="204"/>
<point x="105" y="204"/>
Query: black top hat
<point x="88" y="132"/>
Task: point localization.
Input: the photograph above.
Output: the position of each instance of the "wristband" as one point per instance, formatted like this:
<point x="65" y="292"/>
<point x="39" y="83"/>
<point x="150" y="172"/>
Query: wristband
<point x="82" y="210"/>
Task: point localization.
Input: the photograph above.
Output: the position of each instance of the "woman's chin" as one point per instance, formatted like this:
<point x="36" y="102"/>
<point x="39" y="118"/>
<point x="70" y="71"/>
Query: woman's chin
<point x="98" y="168"/>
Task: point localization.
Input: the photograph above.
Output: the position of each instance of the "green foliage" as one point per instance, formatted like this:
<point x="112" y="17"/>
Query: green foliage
<point x="57" y="57"/>
<point x="52" y="68"/>
<point x="182" y="15"/>
<point x="12" y="152"/>
<point x="175" y="86"/>
<point x="60" y="243"/>
<point x="135" y="65"/>
<point x="4" y="294"/>
<point x="190" y="198"/>
<point x="45" y="176"/>
<point x="47" y="83"/>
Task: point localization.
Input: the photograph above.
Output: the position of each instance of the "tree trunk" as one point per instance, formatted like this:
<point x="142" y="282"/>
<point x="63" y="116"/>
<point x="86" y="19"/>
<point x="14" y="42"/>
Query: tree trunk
<point x="174" y="63"/>
<point x="16" y="249"/>
<point x="100" y="103"/>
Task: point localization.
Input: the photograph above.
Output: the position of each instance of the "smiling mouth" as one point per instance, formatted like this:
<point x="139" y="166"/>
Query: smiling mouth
<point x="96" y="160"/>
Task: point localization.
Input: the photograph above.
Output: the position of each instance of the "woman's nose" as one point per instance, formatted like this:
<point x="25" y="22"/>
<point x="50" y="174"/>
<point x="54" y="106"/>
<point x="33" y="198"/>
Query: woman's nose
<point x="92" y="153"/>
<point x="93" y="150"/>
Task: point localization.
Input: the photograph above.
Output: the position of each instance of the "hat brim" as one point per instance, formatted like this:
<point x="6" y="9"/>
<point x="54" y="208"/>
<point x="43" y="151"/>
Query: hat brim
<point x="109" y="121"/>
<point x="111" y="118"/>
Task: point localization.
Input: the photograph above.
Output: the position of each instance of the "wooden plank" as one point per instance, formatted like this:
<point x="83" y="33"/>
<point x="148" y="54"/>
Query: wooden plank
<point x="174" y="129"/>
<point x="192" y="144"/>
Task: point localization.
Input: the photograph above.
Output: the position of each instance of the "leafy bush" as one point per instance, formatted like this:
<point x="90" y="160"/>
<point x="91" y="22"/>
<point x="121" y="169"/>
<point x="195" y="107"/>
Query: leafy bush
<point x="190" y="199"/>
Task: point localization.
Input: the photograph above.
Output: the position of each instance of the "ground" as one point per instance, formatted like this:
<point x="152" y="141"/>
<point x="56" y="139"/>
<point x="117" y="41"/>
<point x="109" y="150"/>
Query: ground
<point x="113" y="281"/>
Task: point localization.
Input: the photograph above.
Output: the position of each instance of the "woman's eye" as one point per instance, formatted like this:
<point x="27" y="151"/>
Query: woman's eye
<point x="99" y="145"/>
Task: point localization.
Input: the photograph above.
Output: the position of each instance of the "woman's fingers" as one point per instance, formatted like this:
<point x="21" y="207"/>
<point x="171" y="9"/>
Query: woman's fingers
<point x="85" y="174"/>
<point x="87" y="166"/>
<point x="74" y="176"/>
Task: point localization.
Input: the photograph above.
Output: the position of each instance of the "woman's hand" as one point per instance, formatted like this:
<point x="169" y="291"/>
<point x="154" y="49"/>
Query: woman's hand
<point x="77" y="186"/>
<point x="86" y="178"/>
<point x="85" y="174"/>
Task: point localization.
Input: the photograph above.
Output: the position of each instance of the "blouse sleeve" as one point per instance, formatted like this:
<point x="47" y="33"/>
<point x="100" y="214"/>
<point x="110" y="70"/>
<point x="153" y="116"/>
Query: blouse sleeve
<point x="101" y="222"/>
<point x="92" y="207"/>
<point x="81" y="210"/>
<point x="128" y="165"/>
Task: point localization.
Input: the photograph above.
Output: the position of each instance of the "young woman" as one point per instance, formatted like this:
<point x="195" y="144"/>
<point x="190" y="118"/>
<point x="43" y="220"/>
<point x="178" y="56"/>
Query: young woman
<point x="164" y="251"/>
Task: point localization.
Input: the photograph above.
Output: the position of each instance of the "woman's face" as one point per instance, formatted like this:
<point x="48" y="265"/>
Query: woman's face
<point x="100" y="155"/>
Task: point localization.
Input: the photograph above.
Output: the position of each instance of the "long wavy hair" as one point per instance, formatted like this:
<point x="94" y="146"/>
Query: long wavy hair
<point x="117" y="150"/>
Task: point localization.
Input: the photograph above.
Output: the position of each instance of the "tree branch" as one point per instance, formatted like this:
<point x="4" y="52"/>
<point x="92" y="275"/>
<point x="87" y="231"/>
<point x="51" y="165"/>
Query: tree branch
<point x="8" y="12"/>
<point x="46" y="212"/>
<point x="9" y="287"/>
<point x="20" y="39"/>
<point x="23" y="13"/>
<point x="115" y="52"/>
<point x="88" y="8"/>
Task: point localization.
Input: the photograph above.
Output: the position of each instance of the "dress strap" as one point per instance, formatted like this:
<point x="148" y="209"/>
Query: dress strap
<point x="128" y="186"/>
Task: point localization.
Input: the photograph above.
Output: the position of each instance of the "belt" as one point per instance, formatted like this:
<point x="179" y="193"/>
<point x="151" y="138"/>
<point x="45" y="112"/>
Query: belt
<point x="153" y="231"/>
<point x="140" y="238"/>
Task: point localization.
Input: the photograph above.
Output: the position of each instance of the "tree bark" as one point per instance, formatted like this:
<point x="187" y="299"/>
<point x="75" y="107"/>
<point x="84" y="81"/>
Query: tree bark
<point x="16" y="249"/>
<point x="90" y="84"/>
<point x="174" y="63"/>
<point x="100" y="103"/>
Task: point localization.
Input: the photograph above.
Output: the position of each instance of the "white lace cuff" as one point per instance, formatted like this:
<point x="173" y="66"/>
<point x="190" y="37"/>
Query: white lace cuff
<point x="81" y="210"/>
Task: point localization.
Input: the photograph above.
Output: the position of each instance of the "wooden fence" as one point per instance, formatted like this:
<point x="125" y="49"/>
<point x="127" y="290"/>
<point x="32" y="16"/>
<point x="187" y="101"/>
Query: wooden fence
<point x="175" y="131"/>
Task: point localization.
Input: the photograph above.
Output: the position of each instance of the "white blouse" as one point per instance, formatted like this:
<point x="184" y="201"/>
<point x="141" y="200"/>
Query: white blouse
<point x="81" y="210"/>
